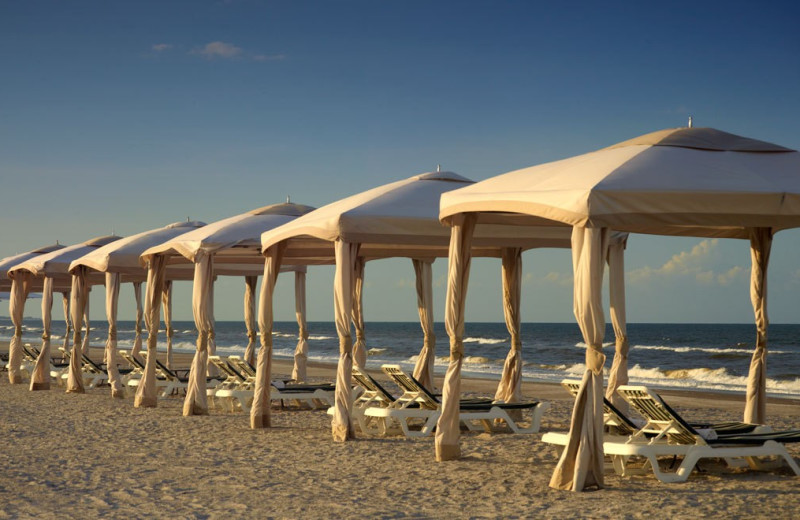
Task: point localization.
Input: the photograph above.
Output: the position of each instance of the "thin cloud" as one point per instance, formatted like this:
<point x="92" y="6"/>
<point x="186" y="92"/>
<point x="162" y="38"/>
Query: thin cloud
<point x="692" y="264"/>
<point x="269" y="57"/>
<point x="161" y="47"/>
<point x="551" y="278"/>
<point x="219" y="50"/>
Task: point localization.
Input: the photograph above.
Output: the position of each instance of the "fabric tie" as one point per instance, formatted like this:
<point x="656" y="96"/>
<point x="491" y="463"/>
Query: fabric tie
<point x="595" y="359"/>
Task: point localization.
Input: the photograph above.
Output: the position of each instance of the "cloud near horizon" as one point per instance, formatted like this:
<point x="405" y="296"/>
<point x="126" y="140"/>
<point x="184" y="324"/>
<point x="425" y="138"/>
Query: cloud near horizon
<point x="161" y="47"/>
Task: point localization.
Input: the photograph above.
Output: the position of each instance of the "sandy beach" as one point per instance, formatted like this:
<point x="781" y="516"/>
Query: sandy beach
<point x="87" y="456"/>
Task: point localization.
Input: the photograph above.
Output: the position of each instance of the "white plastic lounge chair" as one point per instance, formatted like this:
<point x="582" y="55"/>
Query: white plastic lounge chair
<point x="667" y="434"/>
<point x="92" y="374"/>
<point x="419" y="405"/>
<point x="619" y="423"/>
<point x="236" y="389"/>
<point x="313" y="396"/>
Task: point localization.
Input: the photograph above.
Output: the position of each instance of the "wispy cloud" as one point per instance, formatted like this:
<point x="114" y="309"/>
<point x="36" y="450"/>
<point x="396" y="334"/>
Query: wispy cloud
<point x="161" y="47"/>
<point x="551" y="278"/>
<point x="693" y="263"/>
<point x="219" y="50"/>
<point x="269" y="57"/>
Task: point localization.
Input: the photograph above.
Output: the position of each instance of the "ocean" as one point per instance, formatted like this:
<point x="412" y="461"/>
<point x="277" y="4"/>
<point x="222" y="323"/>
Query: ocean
<point x="688" y="356"/>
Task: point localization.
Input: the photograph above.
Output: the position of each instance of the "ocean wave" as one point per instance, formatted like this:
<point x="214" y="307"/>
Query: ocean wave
<point x="708" y="350"/>
<point x="320" y="338"/>
<point x="484" y="341"/>
<point x="582" y="345"/>
<point x="376" y="351"/>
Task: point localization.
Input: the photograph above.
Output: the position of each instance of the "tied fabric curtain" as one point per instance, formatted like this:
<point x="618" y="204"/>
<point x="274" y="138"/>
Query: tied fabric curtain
<point x="459" y="259"/>
<point x="509" y="390"/>
<point x="196" y="401"/>
<point x="301" y="351"/>
<point x="360" y="346"/>
<point x="260" y="411"/>
<point x="80" y="295"/>
<point x="250" y="317"/>
<point x="112" y="306"/>
<point x="137" y="339"/>
<point x="581" y="464"/>
<point x="146" y="391"/>
<point x="20" y="286"/>
<point x="40" y="379"/>
<point x="166" y="301"/>
<point x="65" y="298"/>
<point x="618" y="375"/>
<point x="343" y="290"/>
<point x="423" y="368"/>
<point x="755" y="409"/>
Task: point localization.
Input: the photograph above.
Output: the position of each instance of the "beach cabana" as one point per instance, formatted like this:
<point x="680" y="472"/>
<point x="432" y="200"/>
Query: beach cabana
<point x="53" y="269"/>
<point x="16" y="297"/>
<point x="399" y="219"/>
<point x="685" y="182"/>
<point x="229" y="247"/>
<point x="119" y="262"/>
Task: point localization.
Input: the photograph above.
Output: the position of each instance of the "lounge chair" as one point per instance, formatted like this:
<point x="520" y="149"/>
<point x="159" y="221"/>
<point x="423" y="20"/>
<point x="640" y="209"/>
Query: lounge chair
<point x="668" y="434"/>
<point x="620" y="424"/>
<point x="169" y="381"/>
<point x="236" y="388"/>
<point x="419" y="405"/>
<point x="92" y="374"/>
<point x="313" y="396"/>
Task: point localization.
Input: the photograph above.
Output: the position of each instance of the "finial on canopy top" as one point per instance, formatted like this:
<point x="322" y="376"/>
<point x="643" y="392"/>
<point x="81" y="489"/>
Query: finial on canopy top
<point x="690" y="121"/>
<point x="438" y="167"/>
<point x="288" y="199"/>
<point x="187" y="218"/>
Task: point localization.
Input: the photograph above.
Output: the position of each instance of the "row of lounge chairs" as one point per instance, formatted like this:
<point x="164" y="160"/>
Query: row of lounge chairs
<point x="664" y="433"/>
<point x="415" y="412"/>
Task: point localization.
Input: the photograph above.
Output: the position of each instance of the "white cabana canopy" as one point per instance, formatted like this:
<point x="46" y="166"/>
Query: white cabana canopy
<point x="399" y="219"/>
<point x="685" y="182"/>
<point x="14" y="260"/>
<point x="119" y="260"/>
<point x="53" y="269"/>
<point x="228" y="247"/>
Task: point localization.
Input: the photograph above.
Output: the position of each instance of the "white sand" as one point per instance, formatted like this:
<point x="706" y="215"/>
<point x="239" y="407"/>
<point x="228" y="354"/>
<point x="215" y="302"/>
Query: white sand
<point x="86" y="456"/>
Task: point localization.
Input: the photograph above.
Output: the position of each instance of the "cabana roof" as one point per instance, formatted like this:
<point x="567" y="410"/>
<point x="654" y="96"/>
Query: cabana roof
<point x="234" y="241"/>
<point x="399" y="219"/>
<point x="55" y="264"/>
<point x="11" y="261"/>
<point x="684" y="181"/>
<point x="122" y="256"/>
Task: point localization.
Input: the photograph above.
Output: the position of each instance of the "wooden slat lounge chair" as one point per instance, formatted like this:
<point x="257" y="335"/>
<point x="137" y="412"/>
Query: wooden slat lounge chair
<point x="418" y="405"/>
<point x="668" y="434"/>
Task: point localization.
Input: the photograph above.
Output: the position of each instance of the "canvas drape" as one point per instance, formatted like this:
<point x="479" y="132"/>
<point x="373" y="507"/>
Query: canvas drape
<point x="20" y="286"/>
<point x="112" y="306"/>
<point x="360" y="346"/>
<point x="137" y="339"/>
<point x="581" y="462"/>
<point x="301" y="351"/>
<point x="65" y="297"/>
<point x="618" y="375"/>
<point x="459" y="259"/>
<point x="509" y="389"/>
<point x="80" y="296"/>
<point x="40" y="378"/>
<point x="260" y="410"/>
<point x="146" y="391"/>
<point x="196" y="401"/>
<point x="755" y="409"/>
<point x="343" y="291"/>
<point x="166" y="301"/>
<point x="250" y="317"/>
<point x="423" y="369"/>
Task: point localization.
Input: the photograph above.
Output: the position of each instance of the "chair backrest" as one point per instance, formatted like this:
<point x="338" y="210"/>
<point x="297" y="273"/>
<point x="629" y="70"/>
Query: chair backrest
<point x="132" y="361"/>
<point x="373" y="391"/>
<point x="413" y="391"/>
<point x="30" y="353"/>
<point x="161" y="370"/>
<point x="661" y="419"/>
<point x="613" y="416"/>
<point x="242" y="366"/>
<point x="232" y="375"/>
<point x="91" y="366"/>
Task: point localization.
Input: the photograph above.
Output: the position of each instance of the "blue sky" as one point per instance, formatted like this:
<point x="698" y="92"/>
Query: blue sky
<point x="127" y="116"/>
